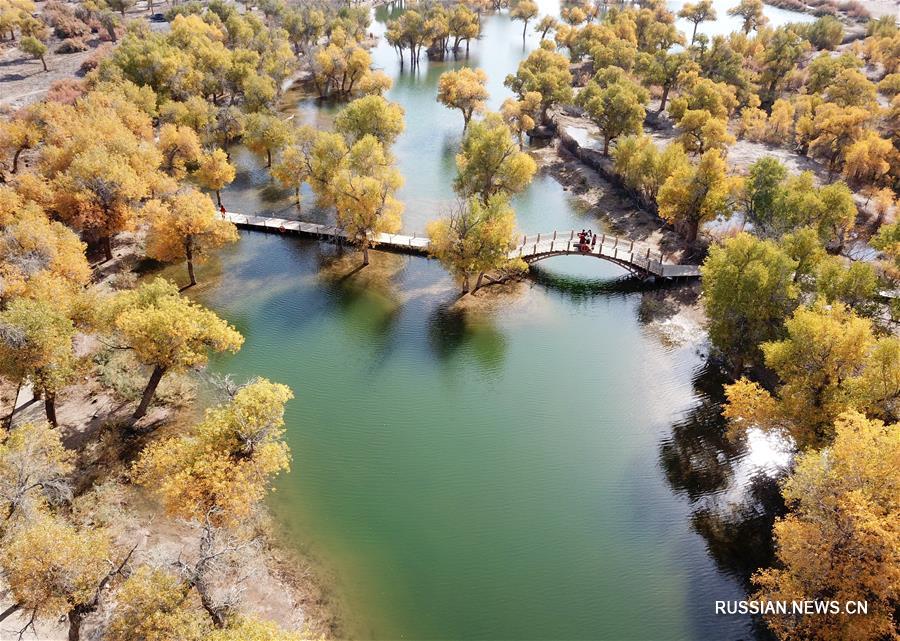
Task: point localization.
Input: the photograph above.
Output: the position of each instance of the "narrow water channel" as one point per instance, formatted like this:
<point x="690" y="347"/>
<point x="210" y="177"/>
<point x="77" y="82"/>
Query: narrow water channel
<point x="548" y="468"/>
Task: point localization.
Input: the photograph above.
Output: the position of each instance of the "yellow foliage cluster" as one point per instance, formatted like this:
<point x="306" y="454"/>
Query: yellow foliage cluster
<point x="223" y="469"/>
<point x="829" y="363"/>
<point x="841" y="540"/>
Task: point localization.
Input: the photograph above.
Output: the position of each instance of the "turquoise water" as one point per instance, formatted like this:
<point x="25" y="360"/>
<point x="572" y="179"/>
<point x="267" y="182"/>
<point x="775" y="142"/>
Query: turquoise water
<point x="545" y="466"/>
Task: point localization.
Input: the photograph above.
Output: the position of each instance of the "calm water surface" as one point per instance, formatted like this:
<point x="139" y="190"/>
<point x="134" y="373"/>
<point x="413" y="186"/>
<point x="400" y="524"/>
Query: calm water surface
<point x="547" y="468"/>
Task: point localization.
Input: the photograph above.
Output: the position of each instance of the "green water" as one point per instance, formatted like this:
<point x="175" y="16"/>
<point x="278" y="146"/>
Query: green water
<point x="547" y="468"/>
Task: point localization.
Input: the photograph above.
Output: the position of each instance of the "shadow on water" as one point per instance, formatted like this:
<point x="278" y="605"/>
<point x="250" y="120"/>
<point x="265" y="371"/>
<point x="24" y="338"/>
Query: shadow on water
<point x="733" y="504"/>
<point x="452" y="330"/>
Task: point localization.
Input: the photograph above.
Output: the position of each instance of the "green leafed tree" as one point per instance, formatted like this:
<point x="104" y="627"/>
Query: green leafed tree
<point x="748" y="292"/>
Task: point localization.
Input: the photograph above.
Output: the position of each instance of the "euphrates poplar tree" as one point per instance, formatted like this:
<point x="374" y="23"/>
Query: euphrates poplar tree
<point x="166" y="331"/>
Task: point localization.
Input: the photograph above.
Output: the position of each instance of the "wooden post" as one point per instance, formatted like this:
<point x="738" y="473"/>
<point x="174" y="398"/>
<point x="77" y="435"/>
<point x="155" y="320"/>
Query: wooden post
<point x="571" y="235"/>
<point x="569" y="246"/>
<point x="552" y="241"/>
<point x="534" y="251"/>
<point x="554" y="234"/>
<point x="631" y="249"/>
<point x="615" y="252"/>
<point x="538" y="239"/>
<point x="524" y="239"/>
<point x="602" y="240"/>
<point x="648" y="254"/>
<point x="617" y="242"/>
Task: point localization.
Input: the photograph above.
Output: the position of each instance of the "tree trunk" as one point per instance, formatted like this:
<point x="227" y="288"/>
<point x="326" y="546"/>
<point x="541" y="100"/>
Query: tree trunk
<point x="50" y="408"/>
<point x="465" y="285"/>
<point x="219" y="197"/>
<point x="605" y="146"/>
<point x="524" y="30"/>
<point x="149" y="391"/>
<point x="268" y="158"/>
<point x="694" y="34"/>
<point x="15" y="166"/>
<point x="107" y="247"/>
<point x="692" y="227"/>
<point x="478" y="282"/>
<point x="44" y="62"/>
<point x="662" y="101"/>
<point x="365" y="254"/>
<point x="189" y="255"/>
<point x="216" y="614"/>
<point x="12" y="412"/>
<point x="75" y="619"/>
<point x="15" y="607"/>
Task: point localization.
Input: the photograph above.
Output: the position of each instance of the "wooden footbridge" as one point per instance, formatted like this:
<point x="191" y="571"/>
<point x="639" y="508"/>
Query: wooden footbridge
<point x="640" y="260"/>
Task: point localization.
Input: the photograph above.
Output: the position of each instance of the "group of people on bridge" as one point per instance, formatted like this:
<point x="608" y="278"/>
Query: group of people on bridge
<point x="587" y="240"/>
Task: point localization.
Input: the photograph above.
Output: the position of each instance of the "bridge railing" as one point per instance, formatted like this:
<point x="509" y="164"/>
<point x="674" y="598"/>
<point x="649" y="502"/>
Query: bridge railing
<point x="607" y="245"/>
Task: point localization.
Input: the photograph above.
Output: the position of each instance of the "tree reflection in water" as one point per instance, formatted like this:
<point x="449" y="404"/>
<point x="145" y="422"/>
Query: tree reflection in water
<point x="733" y="492"/>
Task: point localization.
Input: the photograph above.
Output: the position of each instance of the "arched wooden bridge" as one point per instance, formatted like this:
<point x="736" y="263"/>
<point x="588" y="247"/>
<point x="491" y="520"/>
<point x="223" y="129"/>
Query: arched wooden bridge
<point x="638" y="259"/>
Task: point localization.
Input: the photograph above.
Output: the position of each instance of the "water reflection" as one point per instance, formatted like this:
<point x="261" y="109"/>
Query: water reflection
<point x="732" y="485"/>
<point x="452" y="329"/>
<point x="579" y="287"/>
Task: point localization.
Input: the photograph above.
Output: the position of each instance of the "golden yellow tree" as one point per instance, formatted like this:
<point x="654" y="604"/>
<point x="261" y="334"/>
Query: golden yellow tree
<point x="266" y="134"/>
<point x="225" y="467"/>
<point x="34" y="473"/>
<point x="167" y="331"/>
<point x="474" y="238"/>
<point x="695" y="194"/>
<point x="180" y="147"/>
<point x="155" y="605"/>
<point x="41" y="259"/>
<point x="372" y="115"/>
<point x="818" y="364"/>
<point x="100" y="161"/>
<point x="37" y="345"/>
<point x="16" y="136"/>
<point x="841" y="538"/>
<point x="868" y="160"/>
<point x="521" y="115"/>
<point x="215" y="172"/>
<point x="250" y="629"/>
<point x="364" y="194"/>
<point x="292" y="170"/>
<point x="490" y="162"/>
<point x="464" y="90"/>
<point x="781" y="122"/>
<point x="186" y="227"/>
<point x="700" y="132"/>
<point x="55" y="570"/>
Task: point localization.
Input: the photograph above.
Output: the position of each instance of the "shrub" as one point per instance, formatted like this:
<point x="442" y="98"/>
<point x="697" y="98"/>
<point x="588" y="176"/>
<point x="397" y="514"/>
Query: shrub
<point x="65" y="91"/>
<point x="825" y="33"/>
<point x="890" y="85"/>
<point x="854" y="9"/>
<point x="72" y="45"/>
<point x="96" y="56"/>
